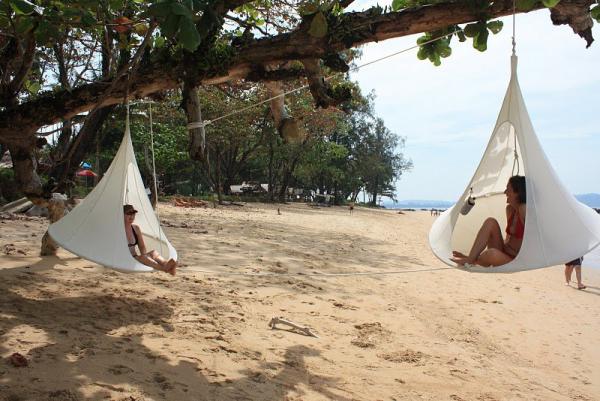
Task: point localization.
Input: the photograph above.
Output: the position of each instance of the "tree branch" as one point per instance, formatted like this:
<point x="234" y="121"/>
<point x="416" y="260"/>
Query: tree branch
<point x="354" y="29"/>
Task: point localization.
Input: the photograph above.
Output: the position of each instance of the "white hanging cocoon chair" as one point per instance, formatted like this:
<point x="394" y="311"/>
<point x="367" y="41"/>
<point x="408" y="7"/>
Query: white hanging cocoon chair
<point x="95" y="230"/>
<point x="558" y="228"/>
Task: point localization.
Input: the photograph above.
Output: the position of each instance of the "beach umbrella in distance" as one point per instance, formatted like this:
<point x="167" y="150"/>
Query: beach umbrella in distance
<point x="85" y="173"/>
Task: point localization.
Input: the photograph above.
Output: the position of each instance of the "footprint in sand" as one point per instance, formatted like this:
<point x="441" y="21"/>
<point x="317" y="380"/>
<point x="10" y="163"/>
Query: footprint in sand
<point x="162" y="381"/>
<point x="369" y="334"/>
<point x="119" y="369"/>
<point x="405" y="356"/>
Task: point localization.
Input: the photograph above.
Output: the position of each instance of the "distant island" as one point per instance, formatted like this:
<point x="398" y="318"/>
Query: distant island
<point x="418" y="204"/>
<point x="592" y="200"/>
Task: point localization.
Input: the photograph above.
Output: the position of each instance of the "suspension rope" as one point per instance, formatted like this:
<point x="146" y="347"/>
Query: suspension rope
<point x="316" y="274"/>
<point x="154" y="181"/>
<point x="514" y="36"/>
<point x="514" y="53"/>
<point x="204" y="123"/>
<point x="127" y="128"/>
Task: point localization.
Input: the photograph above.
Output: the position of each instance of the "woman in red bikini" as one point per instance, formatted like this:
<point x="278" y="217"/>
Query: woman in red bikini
<point x="489" y="248"/>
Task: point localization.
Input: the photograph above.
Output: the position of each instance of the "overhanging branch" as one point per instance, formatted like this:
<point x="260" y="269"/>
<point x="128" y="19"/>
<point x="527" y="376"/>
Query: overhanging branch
<point x="355" y="29"/>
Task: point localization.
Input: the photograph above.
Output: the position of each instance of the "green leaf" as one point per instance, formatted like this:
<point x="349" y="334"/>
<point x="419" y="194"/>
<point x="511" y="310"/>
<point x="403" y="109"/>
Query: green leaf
<point x="495" y="26"/>
<point x="399" y="4"/>
<point x="595" y="13"/>
<point x="480" y="41"/>
<point x="550" y="3"/>
<point x="461" y="36"/>
<point x="33" y="87"/>
<point x="160" y="9"/>
<point x="423" y="39"/>
<point x="423" y="53"/>
<point x="445" y="52"/>
<point x="318" y="26"/>
<point x="170" y="26"/>
<point x="471" y="30"/>
<point x="46" y="32"/>
<point x="188" y="34"/>
<point x="525" y="5"/>
<point x="159" y="41"/>
<point x="435" y="59"/>
<point x="180" y="9"/>
<point x="22" y="7"/>
<point x="116" y="4"/>
<point x="88" y="19"/>
<point x="24" y="24"/>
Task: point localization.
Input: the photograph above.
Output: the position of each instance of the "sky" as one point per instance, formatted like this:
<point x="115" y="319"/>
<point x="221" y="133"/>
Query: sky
<point x="447" y="113"/>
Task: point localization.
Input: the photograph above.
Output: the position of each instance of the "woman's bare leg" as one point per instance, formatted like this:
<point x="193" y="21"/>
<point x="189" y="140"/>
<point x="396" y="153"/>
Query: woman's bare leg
<point x="489" y="236"/>
<point x="154" y="260"/>
<point x="493" y="257"/>
<point x="148" y="261"/>
<point x="578" y="275"/>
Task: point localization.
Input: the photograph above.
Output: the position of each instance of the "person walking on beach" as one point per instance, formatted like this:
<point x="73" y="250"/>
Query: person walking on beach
<point x="136" y="239"/>
<point x="574" y="265"/>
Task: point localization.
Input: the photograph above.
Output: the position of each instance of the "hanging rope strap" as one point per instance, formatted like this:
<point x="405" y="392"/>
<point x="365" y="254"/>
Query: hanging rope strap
<point x="516" y="162"/>
<point x="514" y="36"/>
<point x="126" y="101"/>
<point x="154" y="180"/>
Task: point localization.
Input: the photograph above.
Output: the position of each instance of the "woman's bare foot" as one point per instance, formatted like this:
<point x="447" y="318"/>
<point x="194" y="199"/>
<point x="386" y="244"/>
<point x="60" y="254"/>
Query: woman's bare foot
<point x="462" y="261"/>
<point x="581" y="287"/>
<point x="171" y="267"/>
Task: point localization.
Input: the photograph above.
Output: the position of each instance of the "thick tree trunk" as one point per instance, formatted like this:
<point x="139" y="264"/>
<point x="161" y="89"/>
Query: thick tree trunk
<point x="197" y="136"/>
<point x="56" y="210"/>
<point x="289" y="128"/>
<point x="82" y="146"/>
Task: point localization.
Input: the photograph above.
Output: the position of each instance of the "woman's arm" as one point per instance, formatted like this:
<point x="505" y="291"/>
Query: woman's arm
<point x="522" y="211"/>
<point x="509" y="212"/>
<point x="141" y="243"/>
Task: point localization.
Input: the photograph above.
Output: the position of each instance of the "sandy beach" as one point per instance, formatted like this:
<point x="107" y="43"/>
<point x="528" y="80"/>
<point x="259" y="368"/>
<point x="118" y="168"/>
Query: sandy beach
<point x="393" y="322"/>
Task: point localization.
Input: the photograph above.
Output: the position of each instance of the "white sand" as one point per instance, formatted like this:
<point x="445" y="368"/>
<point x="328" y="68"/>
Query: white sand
<point x="443" y="334"/>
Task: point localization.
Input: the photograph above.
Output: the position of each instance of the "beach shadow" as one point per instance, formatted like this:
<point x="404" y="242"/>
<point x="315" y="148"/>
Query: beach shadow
<point x="69" y="335"/>
<point x="91" y="347"/>
<point x="42" y="263"/>
<point x="276" y="380"/>
<point x="590" y="289"/>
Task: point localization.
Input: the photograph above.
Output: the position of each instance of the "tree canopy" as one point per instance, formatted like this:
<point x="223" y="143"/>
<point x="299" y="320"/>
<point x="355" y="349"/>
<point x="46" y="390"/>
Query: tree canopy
<point x="70" y="63"/>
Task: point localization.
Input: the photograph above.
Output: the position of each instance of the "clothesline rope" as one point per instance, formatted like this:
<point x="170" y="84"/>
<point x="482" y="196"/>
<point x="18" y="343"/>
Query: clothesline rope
<point x="204" y="123"/>
<point x="316" y="274"/>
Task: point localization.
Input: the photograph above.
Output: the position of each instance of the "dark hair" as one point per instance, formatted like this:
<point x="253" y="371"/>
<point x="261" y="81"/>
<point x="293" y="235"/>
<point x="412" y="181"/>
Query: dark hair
<point x="517" y="182"/>
<point x="127" y="209"/>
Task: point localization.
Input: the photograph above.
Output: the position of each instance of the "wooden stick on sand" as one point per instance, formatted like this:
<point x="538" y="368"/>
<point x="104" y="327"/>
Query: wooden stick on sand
<point x="303" y="329"/>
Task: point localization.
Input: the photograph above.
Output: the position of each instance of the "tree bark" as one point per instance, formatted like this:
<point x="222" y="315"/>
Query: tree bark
<point x="197" y="136"/>
<point x="56" y="210"/>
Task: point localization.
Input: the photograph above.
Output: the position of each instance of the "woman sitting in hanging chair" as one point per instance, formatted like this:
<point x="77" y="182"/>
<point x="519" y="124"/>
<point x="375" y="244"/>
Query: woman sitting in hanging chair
<point x="489" y="248"/>
<point x="135" y="238"/>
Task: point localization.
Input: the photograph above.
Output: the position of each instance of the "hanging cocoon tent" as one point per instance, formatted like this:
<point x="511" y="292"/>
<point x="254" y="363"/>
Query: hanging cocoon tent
<point x="95" y="229"/>
<point x="558" y="228"/>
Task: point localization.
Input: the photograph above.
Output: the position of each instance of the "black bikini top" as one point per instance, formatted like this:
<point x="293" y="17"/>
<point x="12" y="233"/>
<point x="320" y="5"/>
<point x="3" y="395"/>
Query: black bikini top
<point x="134" y="236"/>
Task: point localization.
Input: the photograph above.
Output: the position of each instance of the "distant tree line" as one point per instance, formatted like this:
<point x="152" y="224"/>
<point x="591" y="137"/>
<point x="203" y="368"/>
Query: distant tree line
<point x="345" y="150"/>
